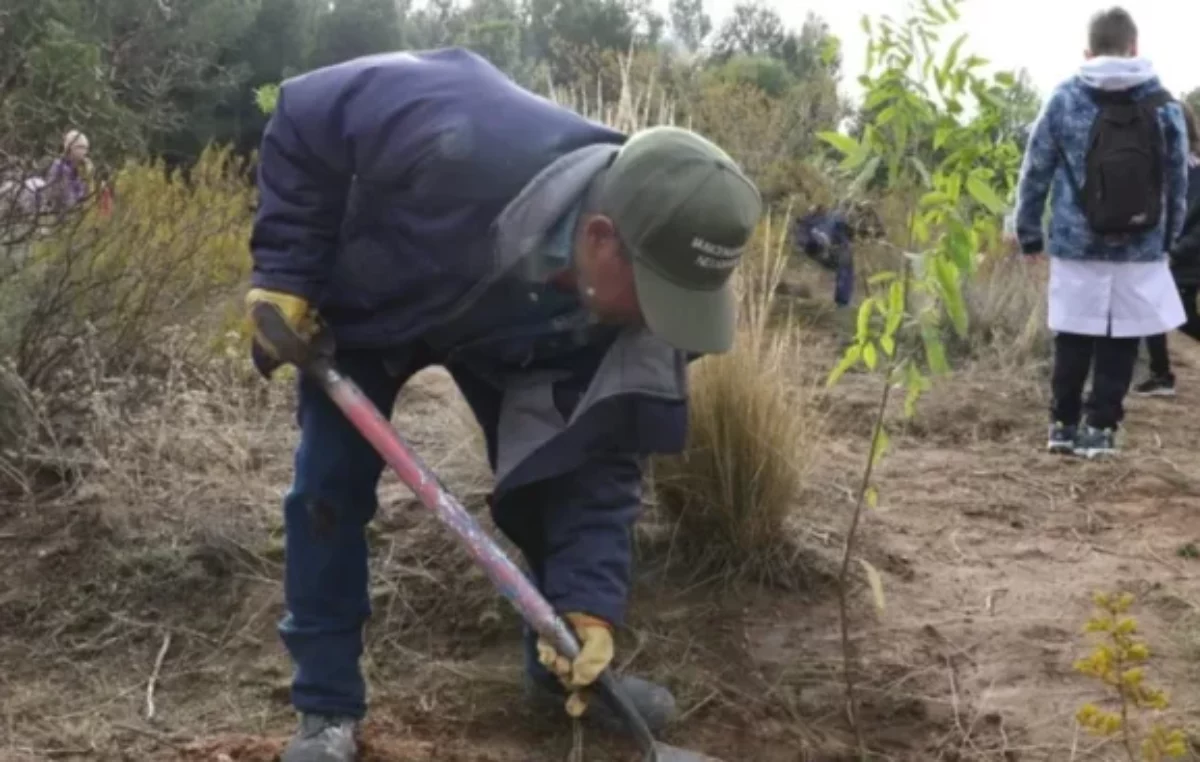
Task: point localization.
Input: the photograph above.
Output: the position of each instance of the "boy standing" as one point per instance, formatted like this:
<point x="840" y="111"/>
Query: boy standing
<point x="1110" y="148"/>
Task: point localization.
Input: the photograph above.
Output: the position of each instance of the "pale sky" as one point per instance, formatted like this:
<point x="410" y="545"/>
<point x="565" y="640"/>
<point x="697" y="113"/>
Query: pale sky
<point x="1047" y="37"/>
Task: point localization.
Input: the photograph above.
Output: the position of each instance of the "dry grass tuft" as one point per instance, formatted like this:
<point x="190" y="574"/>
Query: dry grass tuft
<point x="732" y="493"/>
<point x="1006" y="303"/>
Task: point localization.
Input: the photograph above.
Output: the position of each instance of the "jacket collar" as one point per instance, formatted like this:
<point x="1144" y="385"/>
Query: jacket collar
<point x="522" y="227"/>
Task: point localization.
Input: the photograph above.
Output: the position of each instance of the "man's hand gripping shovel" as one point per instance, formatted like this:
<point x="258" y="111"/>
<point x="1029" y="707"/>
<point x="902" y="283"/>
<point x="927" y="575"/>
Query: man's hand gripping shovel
<point x="315" y="360"/>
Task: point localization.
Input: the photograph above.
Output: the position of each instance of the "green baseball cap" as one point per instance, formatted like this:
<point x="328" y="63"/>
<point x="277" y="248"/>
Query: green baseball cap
<point x="684" y="210"/>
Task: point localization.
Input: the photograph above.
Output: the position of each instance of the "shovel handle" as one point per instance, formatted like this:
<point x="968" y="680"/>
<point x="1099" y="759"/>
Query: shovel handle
<point x="504" y="574"/>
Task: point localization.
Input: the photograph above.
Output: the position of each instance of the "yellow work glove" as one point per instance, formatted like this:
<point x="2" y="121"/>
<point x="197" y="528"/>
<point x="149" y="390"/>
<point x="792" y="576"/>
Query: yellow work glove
<point x="595" y="654"/>
<point x="284" y="328"/>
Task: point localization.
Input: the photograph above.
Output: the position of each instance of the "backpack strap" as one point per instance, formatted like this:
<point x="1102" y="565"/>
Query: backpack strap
<point x="1076" y="189"/>
<point x="1157" y="100"/>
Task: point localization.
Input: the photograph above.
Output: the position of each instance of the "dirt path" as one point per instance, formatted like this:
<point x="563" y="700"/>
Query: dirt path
<point x="998" y="548"/>
<point x="990" y="551"/>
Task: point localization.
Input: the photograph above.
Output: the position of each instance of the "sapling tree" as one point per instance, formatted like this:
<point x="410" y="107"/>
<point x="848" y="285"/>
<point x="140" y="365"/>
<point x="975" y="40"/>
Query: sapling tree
<point x="929" y="142"/>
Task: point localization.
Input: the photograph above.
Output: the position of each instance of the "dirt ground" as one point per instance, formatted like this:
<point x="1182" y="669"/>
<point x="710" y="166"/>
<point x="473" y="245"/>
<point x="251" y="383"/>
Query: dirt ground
<point x="990" y="551"/>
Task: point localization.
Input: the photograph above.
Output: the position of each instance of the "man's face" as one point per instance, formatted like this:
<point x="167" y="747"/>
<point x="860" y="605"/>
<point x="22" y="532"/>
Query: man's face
<point x="605" y="275"/>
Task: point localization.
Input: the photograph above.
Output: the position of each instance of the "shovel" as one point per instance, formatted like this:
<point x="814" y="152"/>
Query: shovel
<point x="504" y="574"/>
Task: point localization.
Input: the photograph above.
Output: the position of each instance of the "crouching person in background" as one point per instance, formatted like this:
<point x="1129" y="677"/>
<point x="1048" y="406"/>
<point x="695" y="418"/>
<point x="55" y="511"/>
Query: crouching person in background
<point x="826" y="237"/>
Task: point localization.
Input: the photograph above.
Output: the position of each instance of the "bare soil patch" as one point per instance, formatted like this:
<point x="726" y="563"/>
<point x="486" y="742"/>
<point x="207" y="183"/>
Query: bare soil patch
<point x="990" y="552"/>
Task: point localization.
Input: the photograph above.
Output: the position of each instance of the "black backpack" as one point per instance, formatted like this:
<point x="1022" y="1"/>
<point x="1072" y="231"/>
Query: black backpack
<point x="1123" y="190"/>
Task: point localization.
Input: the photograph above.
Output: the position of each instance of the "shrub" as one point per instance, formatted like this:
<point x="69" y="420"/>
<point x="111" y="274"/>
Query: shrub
<point x="732" y="491"/>
<point x="164" y="252"/>
<point x="767" y="136"/>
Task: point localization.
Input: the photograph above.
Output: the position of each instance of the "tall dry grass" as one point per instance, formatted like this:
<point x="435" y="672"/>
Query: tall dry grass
<point x="772" y="139"/>
<point x="639" y="103"/>
<point x="732" y="494"/>
<point x="1006" y="306"/>
<point x="149" y="439"/>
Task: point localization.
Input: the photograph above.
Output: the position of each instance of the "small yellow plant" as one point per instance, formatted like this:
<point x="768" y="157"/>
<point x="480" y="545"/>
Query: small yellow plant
<point x="1117" y="661"/>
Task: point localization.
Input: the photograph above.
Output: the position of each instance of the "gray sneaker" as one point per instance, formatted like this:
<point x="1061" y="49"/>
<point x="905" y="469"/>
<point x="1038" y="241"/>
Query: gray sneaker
<point x="1096" y="443"/>
<point x="1061" y="440"/>
<point x="654" y="702"/>
<point x="323" y="739"/>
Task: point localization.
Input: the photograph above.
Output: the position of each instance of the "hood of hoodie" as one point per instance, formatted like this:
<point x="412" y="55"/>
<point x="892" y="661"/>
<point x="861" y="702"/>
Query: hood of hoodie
<point x="1114" y="73"/>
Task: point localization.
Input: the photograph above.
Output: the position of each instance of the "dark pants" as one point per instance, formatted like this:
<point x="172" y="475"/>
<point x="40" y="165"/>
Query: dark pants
<point x="843" y="288"/>
<point x="333" y="498"/>
<point x="1156" y="346"/>
<point x="1110" y="362"/>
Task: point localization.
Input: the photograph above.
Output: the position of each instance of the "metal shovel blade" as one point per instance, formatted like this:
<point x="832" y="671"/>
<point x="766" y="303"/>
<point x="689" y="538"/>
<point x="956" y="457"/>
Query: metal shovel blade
<point x="665" y="753"/>
<point x="656" y="751"/>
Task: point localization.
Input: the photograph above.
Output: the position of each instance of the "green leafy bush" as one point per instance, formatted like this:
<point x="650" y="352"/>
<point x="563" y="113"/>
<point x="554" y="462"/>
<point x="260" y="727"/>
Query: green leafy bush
<point x="168" y="248"/>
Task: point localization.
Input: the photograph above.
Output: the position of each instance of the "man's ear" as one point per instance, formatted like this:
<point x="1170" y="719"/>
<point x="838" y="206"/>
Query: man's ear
<point x="601" y="234"/>
<point x="599" y="228"/>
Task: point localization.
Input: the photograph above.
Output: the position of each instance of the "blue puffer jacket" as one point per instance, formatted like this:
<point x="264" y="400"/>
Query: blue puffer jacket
<point x="1065" y="121"/>
<point x="380" y="179"/>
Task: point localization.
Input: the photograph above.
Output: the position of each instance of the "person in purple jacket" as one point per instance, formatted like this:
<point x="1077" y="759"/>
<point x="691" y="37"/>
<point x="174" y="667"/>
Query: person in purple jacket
<point x="420" y="208"/>
<point x="65" y="186"/>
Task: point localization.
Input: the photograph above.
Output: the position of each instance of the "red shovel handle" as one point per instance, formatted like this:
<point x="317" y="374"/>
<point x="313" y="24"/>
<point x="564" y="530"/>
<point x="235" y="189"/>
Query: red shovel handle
<point x="505" y="575"/>
<point x="315" y="361"/>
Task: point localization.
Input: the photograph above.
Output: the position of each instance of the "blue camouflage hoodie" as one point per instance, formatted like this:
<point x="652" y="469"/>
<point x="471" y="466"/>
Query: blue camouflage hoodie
<point x="1065" y="121"/>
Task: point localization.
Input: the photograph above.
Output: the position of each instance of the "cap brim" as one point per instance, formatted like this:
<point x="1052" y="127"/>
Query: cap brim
<point x="689" y="320"/>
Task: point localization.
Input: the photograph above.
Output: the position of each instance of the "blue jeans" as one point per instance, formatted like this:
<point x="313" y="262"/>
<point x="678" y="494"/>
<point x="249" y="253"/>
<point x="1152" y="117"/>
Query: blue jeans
<point x="577" y="526"/>
<point x="331" y="501"/>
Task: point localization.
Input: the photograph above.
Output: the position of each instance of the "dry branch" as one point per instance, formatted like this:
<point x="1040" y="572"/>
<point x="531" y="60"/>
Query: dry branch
<point x="152" y="683"/>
